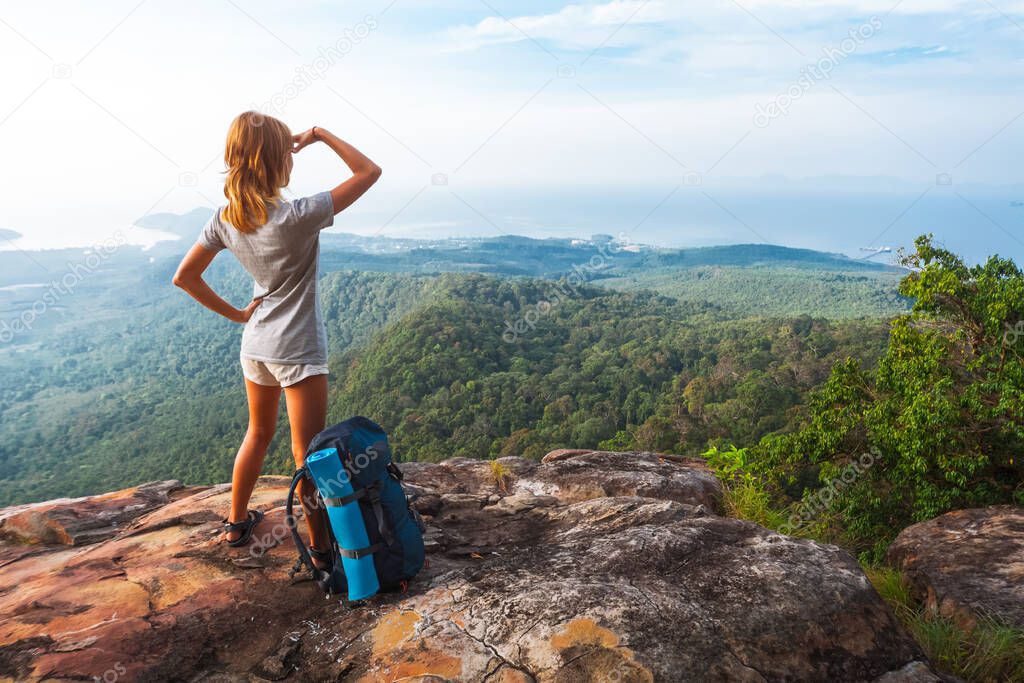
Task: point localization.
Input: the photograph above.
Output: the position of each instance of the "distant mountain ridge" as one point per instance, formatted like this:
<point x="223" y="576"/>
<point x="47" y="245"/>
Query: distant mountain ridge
<point x="184" y="225"/>
<point x="417" y="253"/>
<point x="756" y="255"/>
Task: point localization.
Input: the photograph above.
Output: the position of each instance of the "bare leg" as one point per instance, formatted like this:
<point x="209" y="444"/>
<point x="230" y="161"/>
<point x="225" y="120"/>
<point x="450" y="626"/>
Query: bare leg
<point x="307" y="416"/>
<point x="263" y="405"/>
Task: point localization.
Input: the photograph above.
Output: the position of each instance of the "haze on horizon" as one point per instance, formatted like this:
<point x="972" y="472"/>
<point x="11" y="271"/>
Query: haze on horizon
<point x="536" y="118"/>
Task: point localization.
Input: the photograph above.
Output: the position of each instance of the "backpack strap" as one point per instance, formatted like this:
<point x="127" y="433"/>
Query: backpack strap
<point x="372" y="493"/>
<point x="293" y="526"/>
<point x="378" y="512"/>
<point x="362" y="552"/>
<point x="344" y="500"/>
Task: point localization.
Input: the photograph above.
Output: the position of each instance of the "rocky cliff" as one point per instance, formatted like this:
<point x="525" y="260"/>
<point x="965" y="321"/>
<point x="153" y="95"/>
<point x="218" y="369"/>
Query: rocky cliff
<point x="590" y="566"/>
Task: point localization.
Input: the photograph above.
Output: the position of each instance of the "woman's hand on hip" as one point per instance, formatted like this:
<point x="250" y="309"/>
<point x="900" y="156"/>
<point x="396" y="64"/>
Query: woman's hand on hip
<point x="246" y="313"/>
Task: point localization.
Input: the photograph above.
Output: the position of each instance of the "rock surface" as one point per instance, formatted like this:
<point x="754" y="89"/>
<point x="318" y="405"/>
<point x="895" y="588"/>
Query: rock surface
<point x="590" y="567"/>
<point x="967" y="563"/>
<point x="80" y="521"/>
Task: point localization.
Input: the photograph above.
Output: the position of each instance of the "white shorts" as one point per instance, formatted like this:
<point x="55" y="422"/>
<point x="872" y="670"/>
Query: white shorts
<point x="279" y="374"/>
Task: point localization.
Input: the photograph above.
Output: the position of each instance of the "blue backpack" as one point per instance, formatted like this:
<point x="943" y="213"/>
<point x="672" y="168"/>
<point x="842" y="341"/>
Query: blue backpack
<point x="376" y="536"/>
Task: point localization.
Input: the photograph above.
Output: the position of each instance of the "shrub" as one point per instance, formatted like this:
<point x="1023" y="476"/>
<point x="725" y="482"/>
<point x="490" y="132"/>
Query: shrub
<point x="942" y="416"/>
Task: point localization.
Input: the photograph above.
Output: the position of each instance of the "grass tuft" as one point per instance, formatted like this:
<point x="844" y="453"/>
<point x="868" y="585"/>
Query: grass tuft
<point x="987" y="652"/>
<point x="501" y="476"/>
<point x="744" y="500"/>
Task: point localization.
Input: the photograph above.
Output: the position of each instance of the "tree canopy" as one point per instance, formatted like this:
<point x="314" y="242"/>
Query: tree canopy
<point x="941" y="418"/>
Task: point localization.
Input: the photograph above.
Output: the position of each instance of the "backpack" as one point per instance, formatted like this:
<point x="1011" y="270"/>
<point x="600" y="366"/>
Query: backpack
<point x="361" y="490"/>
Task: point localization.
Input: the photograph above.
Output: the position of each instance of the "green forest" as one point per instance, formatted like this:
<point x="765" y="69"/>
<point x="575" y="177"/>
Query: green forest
<point x="600" y="366"/>
<point x="159" y="394"/>
<point x="135" y="382"/>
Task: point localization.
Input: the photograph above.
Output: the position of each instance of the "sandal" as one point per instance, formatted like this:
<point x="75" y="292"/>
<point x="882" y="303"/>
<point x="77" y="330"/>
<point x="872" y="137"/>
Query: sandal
<point x="244" y="527"/>
<point x="322" y="557"/>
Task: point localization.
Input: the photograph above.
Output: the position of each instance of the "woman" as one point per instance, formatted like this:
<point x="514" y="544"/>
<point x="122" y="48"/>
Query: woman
<point x="284" y="344"/>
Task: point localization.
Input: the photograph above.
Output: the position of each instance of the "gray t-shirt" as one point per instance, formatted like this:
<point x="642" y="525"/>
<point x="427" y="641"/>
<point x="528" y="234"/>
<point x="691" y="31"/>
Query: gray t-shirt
<point x="283" y="257"/>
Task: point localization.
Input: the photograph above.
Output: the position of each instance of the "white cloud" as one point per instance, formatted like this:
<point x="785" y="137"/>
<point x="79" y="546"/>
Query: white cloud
<point x="623" y="22"/>
<point x="573" y="27"/>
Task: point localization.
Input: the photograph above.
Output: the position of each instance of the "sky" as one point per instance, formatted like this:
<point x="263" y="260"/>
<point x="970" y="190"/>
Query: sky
<point x="670" y="119"/>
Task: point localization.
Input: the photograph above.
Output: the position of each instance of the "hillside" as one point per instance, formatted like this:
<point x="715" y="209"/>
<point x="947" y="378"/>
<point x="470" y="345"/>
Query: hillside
<point x="452" y="378"/>
<point x="785" y="289"/>
<point x="129" y="396"/>
<point x="426" y="355"/>
<point x="474" y="347"/>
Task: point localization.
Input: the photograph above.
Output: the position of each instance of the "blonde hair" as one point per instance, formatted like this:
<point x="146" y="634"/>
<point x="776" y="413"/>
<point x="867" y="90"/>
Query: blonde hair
<point x="257" y="159"/>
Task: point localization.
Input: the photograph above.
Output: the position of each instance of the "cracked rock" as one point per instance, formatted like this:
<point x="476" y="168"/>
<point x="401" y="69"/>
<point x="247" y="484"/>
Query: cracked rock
<point x="590" y="566"/>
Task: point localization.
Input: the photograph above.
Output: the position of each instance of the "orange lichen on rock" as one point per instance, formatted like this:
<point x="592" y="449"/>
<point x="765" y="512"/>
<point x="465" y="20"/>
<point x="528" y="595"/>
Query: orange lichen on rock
<point x="588" y="650"/>
<point x="392" y="629"/>
<point x="584" y="631"/>
<point x="397" y="653"/>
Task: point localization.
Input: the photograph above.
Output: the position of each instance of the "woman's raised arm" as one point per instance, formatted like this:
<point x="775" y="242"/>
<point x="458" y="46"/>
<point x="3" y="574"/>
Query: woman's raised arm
<point x="364" y="172"/>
